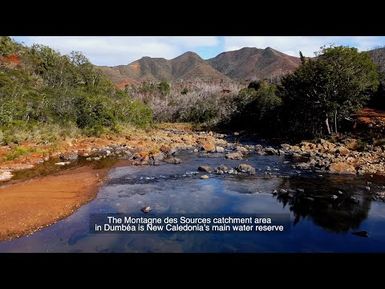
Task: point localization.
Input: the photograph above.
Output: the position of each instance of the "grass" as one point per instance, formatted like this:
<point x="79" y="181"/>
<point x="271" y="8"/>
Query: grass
<point x="20" y="151"/>
<point x="17" y="152"/>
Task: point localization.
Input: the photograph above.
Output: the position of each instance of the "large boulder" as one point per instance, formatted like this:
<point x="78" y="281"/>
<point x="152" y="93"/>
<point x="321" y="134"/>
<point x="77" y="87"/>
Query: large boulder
<point x="219" y="149"/>
<point x="342" y="168"/>
<point x="343" y="151"/>
<point x="222" y="169"/>
<point x="234" y="156"/>
<point x="205" y="168"/>
<point x="173" y="160"/>
<point x="208" y="146"/>
<point x="70" y="156"/>
<point x="5" y="176"/>
<point x="245" y="168"/>
<point x="271" y="151"/>
<point x="242" y="150"/>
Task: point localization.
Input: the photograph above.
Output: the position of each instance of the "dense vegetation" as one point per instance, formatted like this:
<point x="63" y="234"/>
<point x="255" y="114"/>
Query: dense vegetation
<point x="192" y="101"/>
<point x="45" y="94"/>
<point x="314" y="100"/>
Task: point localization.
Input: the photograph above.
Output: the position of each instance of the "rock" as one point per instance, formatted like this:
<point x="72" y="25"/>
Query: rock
<point x="146" y="209"/>
<point x="367" y="188"/>
<point x="232" y="172"/>
<point x="351" y="143"/>
<point x="223" y="168"/>
<point x="242" y="150"/>
<point x="5" y="176"/>
<point x="300" y="190"/>
<point x="104" y="152"/>
<point x="236" y="133"/>
<point x="307" y="146"/>
<point x="258" y="147"/>
<point x="271" y="151"/>
<point x="204" y="177"/>
<point x="343" y="151"/>
<point x="195" y="150"/>
<point x="234" y="156"/>
<point x="334" y="197"/>
<point x="208" y="146"/>
<point x="158" y="157"/>
<point x="285" y="146"/>
<point x="62" y="163"/>
<point x="303" y="166"/>
<point x="72" y="156"/>
<point x="363" y="234"/>
<point x="205" y="168"/>
<point x="340" y="192"/>
<point x="282" y="191"/>
<point x="245" y="168"/>
<point x="173" y="160"/>
<point x="342" y="168"/>
<point x="165" y="149"/>
<point x="221" y="142"/>
<point x="219" y="149"/>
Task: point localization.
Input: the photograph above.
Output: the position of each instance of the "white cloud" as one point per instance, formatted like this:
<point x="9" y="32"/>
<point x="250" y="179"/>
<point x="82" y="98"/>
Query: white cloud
<point x="307" y="44"/>
<point x="112" y="51"/>
<point x="122" y="50"/>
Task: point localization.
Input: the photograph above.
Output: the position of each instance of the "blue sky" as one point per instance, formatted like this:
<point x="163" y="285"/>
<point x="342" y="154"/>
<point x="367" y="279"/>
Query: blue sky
<point x="108" y="50"/>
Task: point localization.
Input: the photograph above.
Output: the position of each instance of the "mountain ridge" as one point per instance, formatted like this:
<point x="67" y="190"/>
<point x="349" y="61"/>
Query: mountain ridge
<point x="245" y="64"/>
<point x="248" y="63"/>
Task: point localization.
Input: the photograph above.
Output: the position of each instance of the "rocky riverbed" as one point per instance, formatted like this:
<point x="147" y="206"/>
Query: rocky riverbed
<point x="345" y="156"/>
<point x="340" y="157"/>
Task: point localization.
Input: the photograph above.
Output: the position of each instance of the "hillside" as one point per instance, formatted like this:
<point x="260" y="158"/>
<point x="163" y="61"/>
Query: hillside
<point x="378" y="57"/>
<point x="188" y="66"/>
<point x="45" y="94"/>
<point x="250" y="63"/>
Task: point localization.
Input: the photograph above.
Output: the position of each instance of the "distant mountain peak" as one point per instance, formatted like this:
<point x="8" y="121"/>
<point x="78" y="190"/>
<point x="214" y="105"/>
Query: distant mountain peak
<point x="251" y="63"/>
<point x="189" y="54"/>
<point x="245" y="64"/>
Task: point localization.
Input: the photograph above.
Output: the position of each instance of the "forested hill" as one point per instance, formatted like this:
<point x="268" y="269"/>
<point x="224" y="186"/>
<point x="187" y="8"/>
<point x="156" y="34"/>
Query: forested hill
<point x="39" y="86"/>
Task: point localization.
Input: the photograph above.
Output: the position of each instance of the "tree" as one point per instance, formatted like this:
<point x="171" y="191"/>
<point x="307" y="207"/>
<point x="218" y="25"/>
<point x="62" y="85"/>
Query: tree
<point x="328" y="88"/>
<point x="303" y="59"/>
<point x="164" y="88"/>
<point x="257" y="106"/>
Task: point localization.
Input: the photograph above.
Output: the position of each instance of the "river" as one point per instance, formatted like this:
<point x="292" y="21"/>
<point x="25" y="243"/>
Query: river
<point x="319" y="221"/>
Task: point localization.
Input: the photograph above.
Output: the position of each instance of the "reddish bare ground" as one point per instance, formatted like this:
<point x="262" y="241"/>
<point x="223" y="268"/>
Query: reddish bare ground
<point x="371" y="116"/>
<point x="29" y="206"/>
<point x="127" y="81"/>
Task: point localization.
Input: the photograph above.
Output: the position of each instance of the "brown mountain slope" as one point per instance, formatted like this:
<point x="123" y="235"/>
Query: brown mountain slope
<point x="250" y="63"/>
<point x="187" y="66"/>
<point x="191" y="66"/>
<point x="378" y="57"/>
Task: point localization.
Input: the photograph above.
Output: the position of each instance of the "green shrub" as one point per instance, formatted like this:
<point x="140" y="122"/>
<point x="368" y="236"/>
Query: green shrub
<point x="50" y="90"/>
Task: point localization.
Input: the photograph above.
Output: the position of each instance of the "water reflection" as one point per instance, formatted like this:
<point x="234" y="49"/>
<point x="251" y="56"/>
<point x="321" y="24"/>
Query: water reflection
<point x="327" y="203"/>
<point x="324" y="209"/>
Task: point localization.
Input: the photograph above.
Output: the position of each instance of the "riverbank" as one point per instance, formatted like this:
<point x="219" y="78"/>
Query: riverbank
<point x="28" y="206"/>
<point x="137" y="144"/>
<point x="76" y="171"/>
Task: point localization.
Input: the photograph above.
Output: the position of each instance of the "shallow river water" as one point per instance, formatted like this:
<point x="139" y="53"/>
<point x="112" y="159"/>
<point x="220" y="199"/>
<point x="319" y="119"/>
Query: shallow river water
<point x="319" y="222"/>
